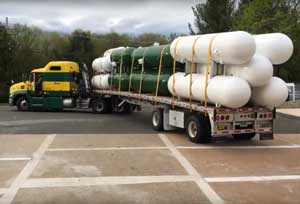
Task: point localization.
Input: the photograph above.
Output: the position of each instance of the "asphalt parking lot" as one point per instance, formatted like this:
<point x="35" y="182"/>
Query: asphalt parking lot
<point x="76" y="157"/>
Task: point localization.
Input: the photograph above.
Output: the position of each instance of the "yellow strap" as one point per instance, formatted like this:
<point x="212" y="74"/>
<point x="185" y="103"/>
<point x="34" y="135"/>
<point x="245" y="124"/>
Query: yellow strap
<point x="142" y="71"/>
<point x="174" y="71"/>
<point x="131" y="70"/>
<point x="192" y="70"/>
<point x="111" y="75"/>
<point x="207" y="69"/>
<point x="120" y="73"/>
<point x="159" y="71"/>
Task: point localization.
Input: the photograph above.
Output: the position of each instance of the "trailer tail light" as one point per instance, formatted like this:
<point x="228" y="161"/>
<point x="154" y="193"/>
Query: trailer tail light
<point x="264" y="116"/>
<point x="223" y="117"/>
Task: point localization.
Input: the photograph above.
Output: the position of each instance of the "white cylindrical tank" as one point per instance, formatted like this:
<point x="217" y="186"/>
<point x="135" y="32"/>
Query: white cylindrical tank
<point x="277" y="47"/>
<point x="227" y="48"/>
<point x="100" y="81"/>
<point x="106" y="64"/>
<point x="272" y="94"/>
<point x="109" y="51"/>
<point x="96" y="81"/>
<point x="198" y="88"/>
<point x="182" y="86"/>
<point x="105" y="81"/>
<point x="257" y="72"/>
<point x="177" y="76"/>
<point x="229" y="91"/>
<point x="102" y="64"/>
<point x="97" y="64"/>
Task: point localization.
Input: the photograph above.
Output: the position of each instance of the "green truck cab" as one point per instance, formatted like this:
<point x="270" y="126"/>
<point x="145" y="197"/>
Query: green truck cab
<point x="58" y="85"/>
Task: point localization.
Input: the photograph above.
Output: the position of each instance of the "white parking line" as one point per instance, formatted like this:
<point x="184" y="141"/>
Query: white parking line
<point x="15" y="158"/>
<point x="252" y="178"/>
<point x="96" y="181"/>
<point x="121" y="180"/>
<point x="241" y="147"/>
<point x="3" y="190"/>
<point x="26" y="172"/>
<point x="102" y="148"/>
<point x="212" y="196"/>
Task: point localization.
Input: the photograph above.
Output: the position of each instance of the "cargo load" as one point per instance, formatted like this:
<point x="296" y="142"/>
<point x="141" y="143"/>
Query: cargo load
<point x="230" y="69"/>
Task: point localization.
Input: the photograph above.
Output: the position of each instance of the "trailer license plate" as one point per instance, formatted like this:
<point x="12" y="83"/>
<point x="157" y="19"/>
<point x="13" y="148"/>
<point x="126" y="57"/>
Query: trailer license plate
<point x="243" y="125"/>
<point x="222" y="127"/>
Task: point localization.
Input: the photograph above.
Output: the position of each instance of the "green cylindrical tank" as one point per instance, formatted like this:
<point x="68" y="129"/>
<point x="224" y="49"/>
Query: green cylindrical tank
<point x="151" y="61"/>
<point x="126" y="52"/>
<point x="149" y="82"/>
<point x="115" y="81"/>
<point x="152" y="57"/>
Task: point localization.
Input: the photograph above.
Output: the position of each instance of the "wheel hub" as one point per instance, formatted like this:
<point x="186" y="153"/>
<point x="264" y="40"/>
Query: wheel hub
<point x="192" y="129"/>
<point x="24" y="105"/>
<point x="155" y="119"/>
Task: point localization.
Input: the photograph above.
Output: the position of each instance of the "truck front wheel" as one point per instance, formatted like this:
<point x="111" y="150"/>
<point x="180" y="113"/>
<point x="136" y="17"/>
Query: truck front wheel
<point x="100" y="106"/>
<point x="158" y="119"/>
<point x="198" y="129"/>
<point x="22" y="104"/>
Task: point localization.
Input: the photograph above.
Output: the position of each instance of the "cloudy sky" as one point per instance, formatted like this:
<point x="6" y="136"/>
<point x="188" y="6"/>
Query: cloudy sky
<point x="101" y="16"/>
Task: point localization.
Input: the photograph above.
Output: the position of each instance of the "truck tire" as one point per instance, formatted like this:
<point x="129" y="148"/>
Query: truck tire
<point x="158" y="119"/>
<point x="246" y="136"/>
<point x="100" y="106"/>
<point x="198" y="129"/>
<point x="22" y="104"/>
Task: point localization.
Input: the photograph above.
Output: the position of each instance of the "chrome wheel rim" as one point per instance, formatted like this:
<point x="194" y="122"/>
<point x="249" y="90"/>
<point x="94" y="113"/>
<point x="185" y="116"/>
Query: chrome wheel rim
<point x="155" y="118"/>
<point x="24" y="104"/>
<point x="192" y="129"/>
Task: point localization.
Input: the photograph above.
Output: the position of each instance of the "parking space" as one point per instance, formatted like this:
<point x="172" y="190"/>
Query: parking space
<point x="147" y="168"/>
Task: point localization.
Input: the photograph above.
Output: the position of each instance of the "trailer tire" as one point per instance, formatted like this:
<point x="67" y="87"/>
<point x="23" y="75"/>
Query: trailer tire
<point x="246" y="136"/>
<point x="198" y="129"/>
<point x="158" y="119"/>
<point x="100" y="106"/>
<point x="22" y="104"/>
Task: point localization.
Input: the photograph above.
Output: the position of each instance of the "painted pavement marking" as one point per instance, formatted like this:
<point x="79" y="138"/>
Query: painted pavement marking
<point x="96" y="181"/>
<point x="8" y="197"/>
<point x="293" y="146"/>
<point x="202" y="184"/>
<point x="15" y="158"/>
<point x="252" y="178"/>
<point x="102" y="149"/>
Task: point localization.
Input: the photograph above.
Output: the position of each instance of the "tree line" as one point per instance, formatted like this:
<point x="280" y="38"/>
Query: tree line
<point x="23" y="48"/>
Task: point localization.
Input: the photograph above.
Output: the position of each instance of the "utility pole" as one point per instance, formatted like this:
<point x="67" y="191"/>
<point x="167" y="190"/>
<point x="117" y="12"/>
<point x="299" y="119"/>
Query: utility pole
<point x="6" y="21"/>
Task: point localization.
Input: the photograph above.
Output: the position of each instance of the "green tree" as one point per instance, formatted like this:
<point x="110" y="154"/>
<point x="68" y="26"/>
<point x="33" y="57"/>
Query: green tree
<point x="7" y="48"/>
<point x="213" y="16"/>
<point x="268" y="16"/>
<point x="81" y="48"/>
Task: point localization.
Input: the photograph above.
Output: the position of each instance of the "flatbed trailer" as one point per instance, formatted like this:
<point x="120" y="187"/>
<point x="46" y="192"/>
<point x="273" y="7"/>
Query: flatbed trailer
<point x="200" y="122"/>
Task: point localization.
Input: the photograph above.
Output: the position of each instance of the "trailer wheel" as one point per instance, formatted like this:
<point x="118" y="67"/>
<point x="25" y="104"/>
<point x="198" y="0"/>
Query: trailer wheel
<point x="22" y="104"/>
<point x="158" y="119"/>
<point x="100" y="106"/>
<point x="198" y="129"/>
<point x="246" y="136"/>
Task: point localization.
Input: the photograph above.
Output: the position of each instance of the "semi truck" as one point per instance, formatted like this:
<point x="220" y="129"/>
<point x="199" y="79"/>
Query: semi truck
<point x="64" y="85"/>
